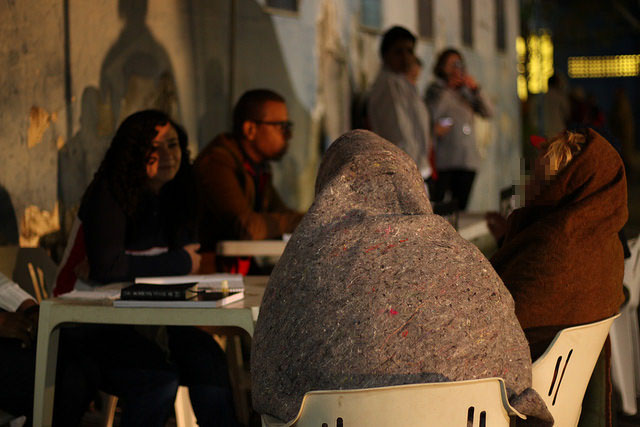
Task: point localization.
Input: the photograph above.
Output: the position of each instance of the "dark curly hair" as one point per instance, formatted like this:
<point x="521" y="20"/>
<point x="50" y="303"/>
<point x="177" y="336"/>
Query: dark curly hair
<point x="438" y="68"/>
<point x="124" y="169"/>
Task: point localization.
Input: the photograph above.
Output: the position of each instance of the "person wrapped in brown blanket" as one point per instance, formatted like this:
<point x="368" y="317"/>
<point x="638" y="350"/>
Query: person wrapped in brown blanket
<point x="373" y="289"/>
<point x="561" y="258"/>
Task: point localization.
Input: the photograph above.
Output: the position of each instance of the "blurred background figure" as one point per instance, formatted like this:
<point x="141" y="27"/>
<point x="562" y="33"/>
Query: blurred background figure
<point x="622" y="126"/>
<point x="453" y="99"/>
<point x="556" y="105"/>
<point x="395" y="110"/>
<point x="415" y="69"/>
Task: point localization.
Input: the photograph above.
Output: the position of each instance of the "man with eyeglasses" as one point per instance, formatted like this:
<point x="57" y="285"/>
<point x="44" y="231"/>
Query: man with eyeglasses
<point x="234" y="175"/>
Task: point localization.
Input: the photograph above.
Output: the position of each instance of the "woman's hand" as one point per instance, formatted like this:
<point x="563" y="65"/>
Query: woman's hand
<point x="441" y="129"/>
<point x="470" y="82"/>
<point x="192" y="250"/>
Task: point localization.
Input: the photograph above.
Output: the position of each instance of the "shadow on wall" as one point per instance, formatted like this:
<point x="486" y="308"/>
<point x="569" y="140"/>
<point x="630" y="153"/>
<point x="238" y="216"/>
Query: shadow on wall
<point x="216" y="118"/>
<point x="8" y="221"/>
<point x="136" y="74"/>
<point x="79" y="159"/>
<point x="209" y="27"/>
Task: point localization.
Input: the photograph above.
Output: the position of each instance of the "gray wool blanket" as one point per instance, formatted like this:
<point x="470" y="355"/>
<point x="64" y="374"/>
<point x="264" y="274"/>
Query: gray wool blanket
<point x="373" y="289"/>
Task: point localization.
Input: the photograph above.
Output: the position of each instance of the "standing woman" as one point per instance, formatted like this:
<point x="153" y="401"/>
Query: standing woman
<point x="137" y="218"/>
<point x="453" y="99"/>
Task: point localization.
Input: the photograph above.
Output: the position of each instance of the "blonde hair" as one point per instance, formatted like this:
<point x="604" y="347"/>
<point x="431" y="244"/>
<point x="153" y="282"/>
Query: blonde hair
<point x="561" y="149"/>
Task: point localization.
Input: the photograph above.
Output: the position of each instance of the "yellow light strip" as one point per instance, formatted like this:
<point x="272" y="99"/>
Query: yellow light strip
<point x="535" y="63"/>
<point x="521" y="50"/>
<point x="588" y="67"/>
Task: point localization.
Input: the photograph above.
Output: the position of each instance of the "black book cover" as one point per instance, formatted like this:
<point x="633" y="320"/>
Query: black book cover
<point x="146" y="291"/>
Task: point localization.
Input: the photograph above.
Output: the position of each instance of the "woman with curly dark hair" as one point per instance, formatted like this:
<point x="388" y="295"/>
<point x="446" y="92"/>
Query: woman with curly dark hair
<point x="137" y="219"/>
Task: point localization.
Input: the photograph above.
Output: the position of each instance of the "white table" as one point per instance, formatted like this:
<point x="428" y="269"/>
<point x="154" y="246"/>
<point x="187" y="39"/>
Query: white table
<point x="250" y="247"/>
<point x="472" y="225"/>
<point x="56" y="311"/>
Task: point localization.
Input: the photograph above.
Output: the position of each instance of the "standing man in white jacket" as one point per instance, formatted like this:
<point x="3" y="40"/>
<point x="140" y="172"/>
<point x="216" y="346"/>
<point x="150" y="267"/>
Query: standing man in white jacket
<point x="395" y="110"/>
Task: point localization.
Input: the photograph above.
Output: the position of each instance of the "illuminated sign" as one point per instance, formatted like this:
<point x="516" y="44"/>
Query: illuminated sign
<point x="586" y="67"/>
<point x="535" y="63"/>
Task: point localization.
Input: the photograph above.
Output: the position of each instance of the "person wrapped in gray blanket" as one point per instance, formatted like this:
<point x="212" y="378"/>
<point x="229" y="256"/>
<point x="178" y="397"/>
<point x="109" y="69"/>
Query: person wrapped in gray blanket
<point x="373" y="290"/>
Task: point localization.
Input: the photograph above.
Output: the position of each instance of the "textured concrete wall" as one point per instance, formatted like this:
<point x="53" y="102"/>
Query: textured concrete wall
<point x="32" y="110"/>
<point x="194" y="58"/>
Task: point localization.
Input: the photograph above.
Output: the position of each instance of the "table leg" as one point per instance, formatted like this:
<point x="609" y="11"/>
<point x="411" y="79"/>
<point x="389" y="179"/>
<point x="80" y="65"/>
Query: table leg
<point x="46" y="358"/>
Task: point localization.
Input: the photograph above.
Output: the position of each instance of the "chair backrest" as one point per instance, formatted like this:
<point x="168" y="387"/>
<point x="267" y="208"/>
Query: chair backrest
<point x="561" y="374"/>
<point x="8" y="255"/>
<point x="476" y="403"/>
<point x="35" y="272"/>
<point x="632" y="272"/>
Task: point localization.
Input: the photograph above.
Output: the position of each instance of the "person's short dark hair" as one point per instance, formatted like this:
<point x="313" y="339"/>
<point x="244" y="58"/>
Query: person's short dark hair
<point x="438" y="68"/>
<point x="393" y="35"/>
<point x="249" y="107"/>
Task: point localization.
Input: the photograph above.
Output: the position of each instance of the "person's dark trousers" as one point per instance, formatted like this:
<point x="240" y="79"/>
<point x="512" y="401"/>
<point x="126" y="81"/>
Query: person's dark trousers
<point x="17" y="373"/>
<point x="456" y="181"/>
<point x="147" y="395"/>
<point x="136" y="370"/>
<point x="76" y="381"/>
<point x="202" y="366"/>
<point x="146" y="377"/>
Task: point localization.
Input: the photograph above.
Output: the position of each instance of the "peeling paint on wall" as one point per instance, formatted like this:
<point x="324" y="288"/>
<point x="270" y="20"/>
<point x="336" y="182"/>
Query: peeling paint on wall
<point x="39" y="120"/>
<point x="60" y="143"/>
<point x="35" y="223"/>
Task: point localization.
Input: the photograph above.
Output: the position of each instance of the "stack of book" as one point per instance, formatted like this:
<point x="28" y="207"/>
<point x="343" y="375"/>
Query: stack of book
<point x="203" y="291"/>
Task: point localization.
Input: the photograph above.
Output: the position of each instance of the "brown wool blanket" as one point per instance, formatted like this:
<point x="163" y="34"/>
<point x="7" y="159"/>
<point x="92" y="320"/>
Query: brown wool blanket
<point x="561" y="258"/>
<point x="373" y="289"/>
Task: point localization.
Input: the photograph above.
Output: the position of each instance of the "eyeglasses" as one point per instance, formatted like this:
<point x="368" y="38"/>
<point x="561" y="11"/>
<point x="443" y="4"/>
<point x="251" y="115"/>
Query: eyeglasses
<point x="285" y="126"/>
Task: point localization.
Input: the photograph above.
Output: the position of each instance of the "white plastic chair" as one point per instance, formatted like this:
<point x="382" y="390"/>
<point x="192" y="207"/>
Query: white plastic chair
<point x="625" y="345"/>
<point x="475" y="403"/>
<point x="561" y="374"/>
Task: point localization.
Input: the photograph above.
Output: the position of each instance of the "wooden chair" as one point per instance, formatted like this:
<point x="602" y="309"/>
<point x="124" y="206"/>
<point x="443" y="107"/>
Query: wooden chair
<point x="31" y="268"/>
<point x="561" y="374"/>
<point x="35" y="272"/>
<point x="476" y="403"/>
